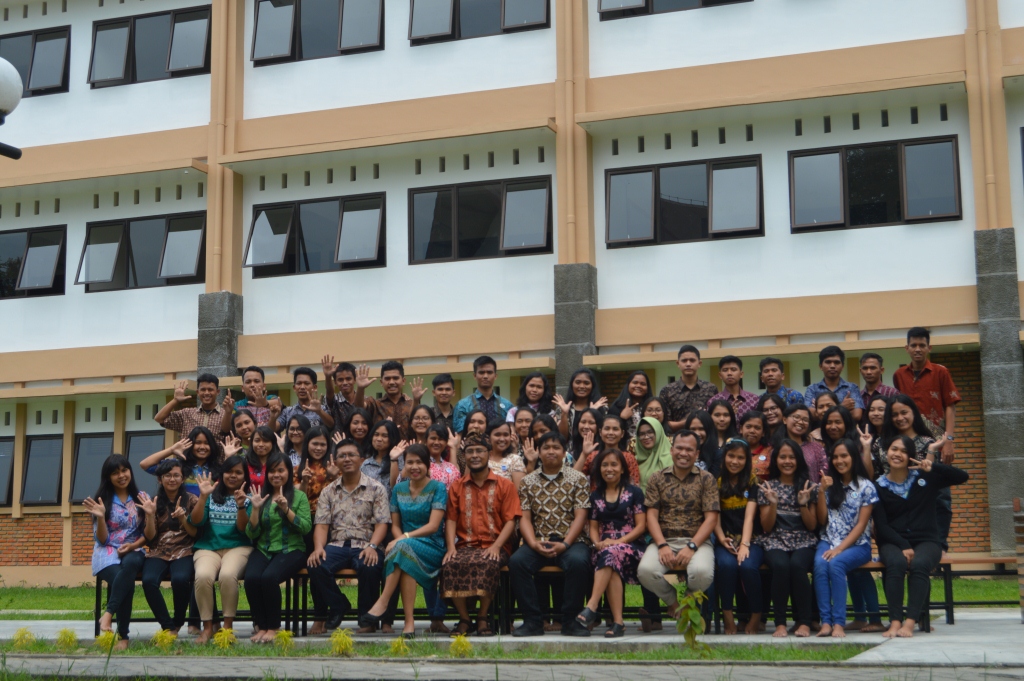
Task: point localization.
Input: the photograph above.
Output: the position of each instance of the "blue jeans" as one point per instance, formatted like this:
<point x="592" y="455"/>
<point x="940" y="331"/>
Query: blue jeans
<point x="830" y="579"/>
<point x="436" y="606"/>
<point x="864" y="595"/>
<point x="748" y="573"/>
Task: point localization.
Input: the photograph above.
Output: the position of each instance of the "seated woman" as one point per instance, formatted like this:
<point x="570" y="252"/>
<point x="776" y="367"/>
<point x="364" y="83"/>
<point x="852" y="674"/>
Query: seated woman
<point x="618" y="523"/>
<point x="315" y="471"/>
<point x="737" y="558"/>
<point x="907" y="530"/>
<point x="291" y="441"/>
<point x="117" y="555"/>
<point x="414" y="556"/>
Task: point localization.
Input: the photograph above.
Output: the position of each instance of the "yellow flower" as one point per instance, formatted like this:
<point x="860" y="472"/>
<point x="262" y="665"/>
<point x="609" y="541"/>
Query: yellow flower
<point x="224" y="638"/>
<point x="23" y="638"/>
<point x="164" y="639"/>
<point x="461" y="647"/>
<point x="283" y="640"/>
<point x="399" y="647"/>
<point x="106" y="641"/>
<point x="67" y="639"/>
<point x="341" y="643"/>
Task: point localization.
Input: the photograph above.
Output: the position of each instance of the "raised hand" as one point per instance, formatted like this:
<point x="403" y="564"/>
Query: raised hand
<point x="228" y="403"/>
<point x="329" y="367"/>
<point x="399" y="449"/>
<point x="924" y="465"/>
<point x="282" y="502"/>
<point x="314" y="400"/>
<point x="206" y="484"/>
<point x="95" y="507"/>
<point x="307" y="475"/>
<point x="333" y="472"/>
<point x="826" y="481"/>
<point x="275" y="410"/>
<point x="771" y="495"/>
<point x="865" y="438"/>
<point x="281" y="437"/>
<point x="256" y="497"/>
<point x="803" y="497"/>
<point x="240" y="497"/>
<point x="179" y="447"/>
<point x="529" y="451"/>
<point x="363" y="378"/>
<point x="258" y="395"/>
<point x="148" y="503"/>
<point x="337" y="438"/>
<point x="849" y="403"/>
<point x="560" y="403"/>
<point x="179" y="391"/>
<point x="232" y="445"/>
<point x="603" y="402"/>
<point x="627" y="411"/>
<point x="588" y="444"/>
<point x="418" y="390"/>
<point x="178" y="513"/>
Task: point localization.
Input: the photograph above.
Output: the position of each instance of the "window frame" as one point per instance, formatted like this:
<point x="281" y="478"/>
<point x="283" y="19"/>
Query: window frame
<point x="199" y="251"/>
<point x="35" y="292"/>
<point x="450" y="33"/>
<point x="524" y="27"/>
<point x="381" y="225"/>
<point x="10" y="478"/>
<point x="454" y="188"/>
<point x="504" y="210"/>
<point x="453" y="33"/>
<point x="291" y="32"/>
<point x="125" y="75"/>
<point x="842" y="189"/>
<point x="379" y="45"/>
<point x="65" y="69"/>
<point x="206" y="39"/>
<point x="74" y="465"/>
<point x="128" y="447"/>
<point x="85" y="246"/>
<point x="653" y="170"/>
<point x="256" y="210"/>
<point x="56" y="263"/>
<point x="29" y="439"/>
<point x="901" y="145"/>
<point x="711" y="196"/>
<point x="648" y="9"/>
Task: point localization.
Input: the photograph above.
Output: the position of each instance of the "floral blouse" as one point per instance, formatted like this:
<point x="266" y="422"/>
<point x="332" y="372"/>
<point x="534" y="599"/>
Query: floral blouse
<point x="789" y="533"/>
<point x="842" y="520"/>
<point x="123" y="527"/>
<point x="507" y="465"/>
<point x="315" y="485"/>
<point x="617" y="519"/>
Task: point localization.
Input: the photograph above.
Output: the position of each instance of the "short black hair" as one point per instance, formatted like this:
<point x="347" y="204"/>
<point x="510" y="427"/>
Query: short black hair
<point x="730" y="359"/>
<point x="255" y="368"/>
<point x="347" y="442"/>
<point x="768" y="361"/>
<point x="871" y="355"/>
<point x="345" y="366"/>
<point x="549" y="436"/>
<point x="688" y="348"/>
<point x="207" y="378"/>
<point x="441" y="379"/>
<point x="304" y="371"/>
<point x="831" y="351"/>
<point x="392" y="365"/>
<point x="686" y="432"/>
<point x="919" y="332"/>
<point x="484" y="360"/>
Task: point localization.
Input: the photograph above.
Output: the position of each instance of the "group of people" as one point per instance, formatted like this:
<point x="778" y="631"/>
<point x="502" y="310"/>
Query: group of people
<point x="704" y="483"/>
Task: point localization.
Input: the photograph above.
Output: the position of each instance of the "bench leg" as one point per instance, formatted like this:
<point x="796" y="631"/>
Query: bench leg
<point x="304" y="585"/>
<point x="99" y="604"/>
<point x="947" y="583"/>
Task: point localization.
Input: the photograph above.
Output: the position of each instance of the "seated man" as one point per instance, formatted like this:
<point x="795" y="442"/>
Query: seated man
<point x="353" y="513"/>
<point x="682" y="512"/>
<point x="556" y="506"/>
<point x="481" y="516"/>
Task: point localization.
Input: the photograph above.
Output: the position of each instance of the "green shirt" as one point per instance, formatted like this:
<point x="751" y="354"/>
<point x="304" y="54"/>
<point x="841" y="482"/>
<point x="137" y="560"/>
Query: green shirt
<point x="219" y="528"/>
<point x="274" y="534"/>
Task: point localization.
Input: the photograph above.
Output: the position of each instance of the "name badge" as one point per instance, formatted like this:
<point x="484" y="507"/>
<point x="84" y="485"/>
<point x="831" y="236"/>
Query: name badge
<point x="921" y="482"/>
<point x="762" y="457"/>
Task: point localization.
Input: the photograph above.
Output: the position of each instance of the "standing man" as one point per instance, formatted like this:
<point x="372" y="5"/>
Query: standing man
<point x="730" y="371"/>
<point x="183" y="419"/>
<point x="444" y="391"/>
<point x="689" y="392"/>
<point x="773" y="376"/>
<point x="871" y="370"/>
<point x="831" y="361"/>
<point x="395" y="404"/>
<point x="494" y="406"/>
<point x="341" y="390"/>
<point x="308" y="405"/>
<point x="256" y="399"/>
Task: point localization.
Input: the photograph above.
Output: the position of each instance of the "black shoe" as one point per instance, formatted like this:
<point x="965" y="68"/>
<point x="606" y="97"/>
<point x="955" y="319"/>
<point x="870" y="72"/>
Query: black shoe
<point x="529" y="629"/>
<point x="334" y="621"/>
<point x="575" y="628"/>
<point x="369" y="621"/>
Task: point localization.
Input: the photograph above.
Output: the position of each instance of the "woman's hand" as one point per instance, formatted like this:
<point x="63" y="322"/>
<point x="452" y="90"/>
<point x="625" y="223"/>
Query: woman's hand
<point x="602" y="402"/>
<point x="148" y="504"/>
<point x="240" y="497"/>
<point x="830" y="554"/>
<point x="232" y="445"/>
<point x="771" y="495"/>
<point x="924" y="465"/>
<point x="206" y="484"/>
<point x="742" y="553"/>
<point x="627" y="411"/>
<point x="256" y="497"/>
<point x="337" y="438"/>
<point x="730" y="546"/>
<point x="826" y="482"/>
<point x="179" y="447"/>
<point x="561" y="403"/>
<point x="282" y="437"/>
<point x="307" y="475"/>
<point x="803" y="497"/>
<point x="96" y="508"/>
<point x="529" y="452"/>
<point x="588" y="445"/>
<point x="865" y="438"/>
<point x="178" y="513"/>
<point x="282" y="502"/>
<point x="399" y="449"/>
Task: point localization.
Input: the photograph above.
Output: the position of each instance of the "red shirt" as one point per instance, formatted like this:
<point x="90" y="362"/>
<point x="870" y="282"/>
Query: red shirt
<point x="932" y="390"/>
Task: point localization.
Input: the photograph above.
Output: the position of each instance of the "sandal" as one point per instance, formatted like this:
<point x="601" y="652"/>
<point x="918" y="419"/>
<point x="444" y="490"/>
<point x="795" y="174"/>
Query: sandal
<point x="461" y="629"/>
<point x="587" y="617"/>
<point x="483" y="628"/>
<point x="617" y="631"/>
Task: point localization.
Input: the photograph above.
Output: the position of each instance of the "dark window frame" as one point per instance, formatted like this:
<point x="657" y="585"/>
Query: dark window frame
<point x="901" y="145"/>
<point x="129" y="77"/>
<point x="379" y="45"/>
<point x="61" y="255"/>
<point x="61" y="258"/>
<point x="525" y="27"/>
<point x="648" y="9"/>
<point x="381" y="226"/>
<point x="74" y="466"/>
<point x="137" y="470"/>
<point x="713" y="235"/>
<point x="85" y="246"/>
<point x="294" y="54"/>
<point x="65" y="73"/>
<point x="504" y="212"/>
<point x="295" y="225"/>
<point x="454" y="188"/>
<point x="200" y="253"/>
<point x="206" y="41"/>
<point x="10" y="479"/>
<point x="454" y="30"/>
<point x="25" y="470"/>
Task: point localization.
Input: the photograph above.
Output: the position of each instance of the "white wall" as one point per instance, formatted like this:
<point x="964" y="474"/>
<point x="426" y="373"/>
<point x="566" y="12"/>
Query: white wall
<point x="402" y="293"/>
<point x="780" y="264"/>
<point x="1011" y="13"/>
<point x="400" y="71"/>
<point x="1014" y="139"/>
<point x="762" y="28"/>
<point x="83" y="113"/>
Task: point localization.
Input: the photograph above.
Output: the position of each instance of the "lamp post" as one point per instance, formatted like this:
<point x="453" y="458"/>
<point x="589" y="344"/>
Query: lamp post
<point x="11" y="88"/>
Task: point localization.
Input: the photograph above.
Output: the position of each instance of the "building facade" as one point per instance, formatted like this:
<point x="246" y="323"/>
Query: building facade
<point x="553" y="183"/>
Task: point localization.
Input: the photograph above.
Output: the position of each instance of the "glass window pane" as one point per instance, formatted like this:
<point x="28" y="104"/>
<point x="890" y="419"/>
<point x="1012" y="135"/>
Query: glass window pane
<point x="269" y="236"/>
<point x="188" y="44"/>
<point x="48" y="61"/>
<point x="273" y="29"/>
<point x="526" y="216"/>
<point x="525" y="12"/>
<point x="630" y="209"/>
<point x="360" y="230"/>
<point x="12" y="248"/>
<point x="432" y="225"/>
<point x="41" y="259"/>
<point x="318" y="28"/>
<point x="42" y="471"/>
<point x="873" y="184"/>
<point x="431" y="18"/>
<point x="93" y="450"/>
<point x="152" y="36"/>
<point x="146" y="241"/>
<point x="673" y="5"/>
<point x="181" y="253"/>
<point x="109" y="52"/>
<point x="683" y="203"/>
<point x="140" y="446"/>
<point x="100" y="257"/>
<point x="931" y="179"/>
<point x="479" y="221"/>
<point x="360" y="23"/>
<point x="479" y="17"/>
<point x="734" y="197"/>
<point x="6" y="468"/>
<point x="609" y="5"/>
<point x="318" y="235"/>
<point x="817" y="189"/>
<point x="18" y="51"/>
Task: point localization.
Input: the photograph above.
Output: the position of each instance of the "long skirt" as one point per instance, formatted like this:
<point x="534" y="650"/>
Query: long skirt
<point x="470" y="573"/>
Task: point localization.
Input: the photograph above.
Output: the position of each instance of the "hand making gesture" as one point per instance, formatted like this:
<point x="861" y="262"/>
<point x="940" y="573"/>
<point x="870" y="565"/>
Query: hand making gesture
<point x="206" y="484"/>
<point x="803" y="497"/>
<point x="95" y="507"/>
<point x="418" y="390"/>
<point x="363" y="378"/>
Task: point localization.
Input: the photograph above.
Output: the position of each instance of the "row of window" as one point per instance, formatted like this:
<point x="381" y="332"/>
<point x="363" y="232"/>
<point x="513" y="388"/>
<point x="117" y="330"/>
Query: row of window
<point x="32" y="262"/>
<point x="41" y="481"/>
<point x="618" y="9"/>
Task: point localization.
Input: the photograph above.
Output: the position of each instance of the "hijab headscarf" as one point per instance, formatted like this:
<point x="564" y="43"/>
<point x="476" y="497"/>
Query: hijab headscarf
<point x="658" y="457"/>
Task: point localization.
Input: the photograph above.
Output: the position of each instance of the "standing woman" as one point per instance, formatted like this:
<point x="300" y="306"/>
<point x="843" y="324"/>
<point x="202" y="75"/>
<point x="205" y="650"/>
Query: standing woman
<point x="700" y="422"/>
<point x="724" y="418"/>
<point x="583" y="394"/>
<point x="585" y="439"/>
<point x="612" y="435"/>
<point x="909" y="543"/>
<point x="737" y="558"/>
<point x="170" y="538"/>
<point x="535" y="393"/>
<point x="277" y="524"/>
<point x="774" y="408"/>
<point x="298" y="426"/>
<point x="384" y="437"/>
<point x="264" y="445"/>
<point x="414" y="555"/>
<point x="243" y="425"/>
<point x="796" y="425"/>
<point x="222" y="550"/>
<point x="789" y="519"/>
<point x="420" y="420"/>
<point x="357" y="426"/>
<point x="117" y="555"/>
<point x="628" y="405"/>
<point x="315" y="471"/>
<point x="874" y="415"/>
<point x="754" y="429"/>
<point x="903" y="419"/>
<point x="846" y="499"/>
<point x="199" y="451"/>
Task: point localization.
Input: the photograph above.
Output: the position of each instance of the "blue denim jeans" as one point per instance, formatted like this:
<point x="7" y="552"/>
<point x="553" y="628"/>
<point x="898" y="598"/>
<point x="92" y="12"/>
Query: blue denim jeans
<point x="830" y="579"/>
<point x="864" y="596"/>
<point x="728" y="572"/>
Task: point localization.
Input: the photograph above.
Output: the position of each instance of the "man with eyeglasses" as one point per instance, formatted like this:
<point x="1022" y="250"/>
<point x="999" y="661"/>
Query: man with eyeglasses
<point x="352" y="514"/>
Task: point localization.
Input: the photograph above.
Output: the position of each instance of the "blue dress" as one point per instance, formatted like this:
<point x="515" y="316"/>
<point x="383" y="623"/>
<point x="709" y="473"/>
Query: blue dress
<point x="419" y="557"/>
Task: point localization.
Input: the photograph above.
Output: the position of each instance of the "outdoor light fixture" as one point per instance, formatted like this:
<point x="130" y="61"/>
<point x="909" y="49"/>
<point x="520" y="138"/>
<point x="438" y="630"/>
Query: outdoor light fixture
<point x="11" y="88"/>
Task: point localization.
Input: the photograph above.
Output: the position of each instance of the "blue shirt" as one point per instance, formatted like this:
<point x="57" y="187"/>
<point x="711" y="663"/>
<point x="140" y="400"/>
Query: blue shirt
<point x="788" y="395"/>
<point x="495" y="408"/>
<point x="843" y="390"/>
<point x="842" y="520"/>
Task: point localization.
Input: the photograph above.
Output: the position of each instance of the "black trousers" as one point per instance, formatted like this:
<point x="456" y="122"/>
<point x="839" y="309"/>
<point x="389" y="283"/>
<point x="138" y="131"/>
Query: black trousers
<point x="346" y="558"/>
<point x="182" y="573"/>
<point x="263" y="578"/>
<point x="790" y="580"/>
<point x="917" y="573"/>
<point x="526" y="563"/>
<point x="120" y="581"/>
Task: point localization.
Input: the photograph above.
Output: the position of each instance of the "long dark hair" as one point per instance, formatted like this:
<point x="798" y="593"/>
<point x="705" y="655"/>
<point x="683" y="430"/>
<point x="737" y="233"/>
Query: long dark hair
<point x="420" y="407"/>
<point x="304" y="426"/>
<point x="780" y="403"/>
<point x="314" y="431"/>
<point x="544" y="406"/>
<point x="105" y="492"/>
<point x="802" y="474"/>
<point x="848" y="433"/>
<point x="267" y="435"/>
<point x="731" y="430"/>
<point x="750" y="416"/>
<point x="469" y="416"/>
<point x="595" y="391"/>
<point x="548" y="422"/>
<point x="837" y="492"/>
<point x="288" y="488"/>
<point x="595" y="470"/>
<point x="577" y="438"/>
<point x="889" y="431"/>
<point x="220" y="492"/>
<point x="623" y="441"/>
<point x="709" y="445"/>
<point x="867" y="408"/>
<point x="364" y="444"/>
<point x="728" y="488"/>
<point x="394" y="437"/>
<point x="213" y="461"/>
<point x="242" y="412"/>
<point x="163" y="503"/>
<point x="620" y="402"/>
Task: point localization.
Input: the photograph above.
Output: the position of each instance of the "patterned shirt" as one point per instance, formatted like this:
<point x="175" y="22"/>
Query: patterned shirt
<point x="681" y="502"/>
<point x="842" y="520"/>
<point x="740" y="404"/>
<point x="882" y="389"/>
<point x="681" y="400"/>
<point x="172" y="541"/>
<point x="276" y="535"/>
<point x="788" y="395"/>
<point x="384" y="409"/>
<point x="445" y="472"/>
<point x="789" y="532"/>
<point x="298" y="410"/>
<point x="481" y="511"/>
<point x="447" y="421"/>
<point x="123" y="527"/>
<point x="340" y="410"/>
<point x="932" y="391"/>
<point x="552" y="503"/>
<point x="494" y="407"/>
<point x="261" y="414"/>
<point x="352" y="515"/>
<point x="378" y="471"/>
<point x="184" y="420"/>
<point x="509" y="464"/>
<point x="843" y="390"/>
<point x="317" y="482"/>
<point x="814" y="455"/>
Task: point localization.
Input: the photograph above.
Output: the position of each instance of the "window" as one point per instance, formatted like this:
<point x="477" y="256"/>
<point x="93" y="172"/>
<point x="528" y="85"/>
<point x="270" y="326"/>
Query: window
<point x="90" y="453"/>
<point x="618" y="9"/>
<point x="323" y="235"/>
<point x="690" y="201"/>
<point x="32" y="262"/>
<point x="164" y="250"/>
<point x="6" y="470"/>
<point x="141" y="445"/>
<point x="293" y="30"/>
<point x="441" y="20"/>
<point x="41" y="484"/>
<point x="41" y="59"/>
<point x="480" y="220"/>
<point x="150" y="47"/>
<point x="877" y="184"/>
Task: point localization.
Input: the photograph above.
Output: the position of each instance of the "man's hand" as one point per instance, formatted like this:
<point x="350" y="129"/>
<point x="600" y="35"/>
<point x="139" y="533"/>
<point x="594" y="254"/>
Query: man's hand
<point x="179" y="392"/>
<point x="849" y="403"/>
<point x="318" y="556"/>
<point x="666" y="556"/>
<point x="329" y="367"/>
<point x="948" y="451"/>
<point x="683" y="558"/>
<point x="363" y="379"/>
<point x="369" y="556"/>
<point x="418" y="390"/>
<point x="545" y="549"/>
<point x="228" y="403"/>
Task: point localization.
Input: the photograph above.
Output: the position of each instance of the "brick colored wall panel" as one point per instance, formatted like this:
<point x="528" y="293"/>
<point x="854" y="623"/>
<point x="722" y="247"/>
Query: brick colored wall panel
<point x="31" y="540"/>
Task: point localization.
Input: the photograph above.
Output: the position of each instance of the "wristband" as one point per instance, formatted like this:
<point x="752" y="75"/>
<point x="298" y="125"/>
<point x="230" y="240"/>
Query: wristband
<point x="661" y="546"/>
<point x="566" y="545"/>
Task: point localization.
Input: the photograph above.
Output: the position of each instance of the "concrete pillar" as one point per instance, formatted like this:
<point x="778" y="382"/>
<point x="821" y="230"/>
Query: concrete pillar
<point x="575" y="307"/>
<point x="1002" y="378"/>
<point x="220" y="325"/>
<point x="1018" y="522"/>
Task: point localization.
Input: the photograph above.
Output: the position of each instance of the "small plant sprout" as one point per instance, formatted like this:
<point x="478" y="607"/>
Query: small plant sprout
<point x="283" y="640"/>
<point x="164" y="639"/>
<point x="225" y="638"/>
<point x="399" y="647"/>
<point x="67" y="639"/>
<point x="23" y="638"/>
<point x="106" y="641"/>
<point x="461" y="647"/>
<point x="690" y="623"/>
<point x="341" y="643"/>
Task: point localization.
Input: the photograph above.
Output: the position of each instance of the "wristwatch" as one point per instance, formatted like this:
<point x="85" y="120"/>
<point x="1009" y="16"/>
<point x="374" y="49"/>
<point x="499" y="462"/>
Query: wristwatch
<point x="690" y="545"/>
<point x="373" y="546"/>
<point x="950" y="438"/>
